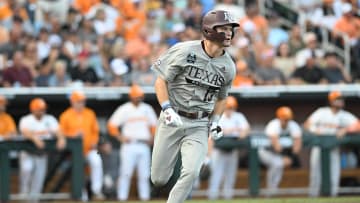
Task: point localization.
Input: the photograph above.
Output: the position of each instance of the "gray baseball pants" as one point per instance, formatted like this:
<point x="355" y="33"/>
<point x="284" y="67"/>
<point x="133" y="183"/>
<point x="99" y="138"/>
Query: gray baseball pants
<point x="191" y="140"/>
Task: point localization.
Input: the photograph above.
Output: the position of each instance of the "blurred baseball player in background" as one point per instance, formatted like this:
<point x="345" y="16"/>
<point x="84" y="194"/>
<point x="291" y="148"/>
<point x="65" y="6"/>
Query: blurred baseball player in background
<point x="7" y="124"/>
<point x="277" y="157"/>
<point x="191" y="87"/>
<point x="224" y="164"/>
<point x="137" y="121"/>
<point x="80" y="121"/>
<point x="331" y="120"/>
<point x="36" y="127"/>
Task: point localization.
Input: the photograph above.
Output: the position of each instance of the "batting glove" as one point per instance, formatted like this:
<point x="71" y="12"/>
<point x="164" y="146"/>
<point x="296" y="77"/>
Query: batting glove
<point x="172" y="118"/>
<point x="215" y="131"/>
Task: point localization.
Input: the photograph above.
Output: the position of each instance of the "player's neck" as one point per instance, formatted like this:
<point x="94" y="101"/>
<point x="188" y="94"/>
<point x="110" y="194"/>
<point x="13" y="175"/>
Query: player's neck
<point x="212" y="49"/>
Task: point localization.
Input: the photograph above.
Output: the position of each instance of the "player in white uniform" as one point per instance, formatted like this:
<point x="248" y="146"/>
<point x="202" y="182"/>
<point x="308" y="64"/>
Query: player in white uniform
<point x="277" y="157"/>
<point x="137" y="121"/>
<point x="36" y="127"/>
<point x="331" y="120"/>
<point x="224" y="164"/>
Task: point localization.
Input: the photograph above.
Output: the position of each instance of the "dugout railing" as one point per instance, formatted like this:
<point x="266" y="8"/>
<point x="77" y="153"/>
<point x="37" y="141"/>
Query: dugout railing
<point x="255" y="141"/>
<point x="74" y="146"/>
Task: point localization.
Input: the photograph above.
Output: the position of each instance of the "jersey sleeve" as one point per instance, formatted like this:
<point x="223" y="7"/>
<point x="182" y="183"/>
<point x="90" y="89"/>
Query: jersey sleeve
<point x="23" y="124"/>
<point x="53" y="124"/>
<point x="295" y="130"/>
<point x="313" y="119"/>
<point x="272" y="129"/>
<point x="348" y="119"/>
<point x="152" y="116"/>
<point x="243" y="123"/>
<point x="168" y="65"/>
<point x="118" y="117"/>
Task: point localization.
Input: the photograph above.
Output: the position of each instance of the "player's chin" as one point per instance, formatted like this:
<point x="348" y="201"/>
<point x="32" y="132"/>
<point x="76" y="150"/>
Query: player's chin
<point x="226" y="43"/>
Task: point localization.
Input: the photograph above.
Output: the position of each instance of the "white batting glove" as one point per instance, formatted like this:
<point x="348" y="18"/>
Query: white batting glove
<point x="215" y="131"/>
<point x="172" y="118"/>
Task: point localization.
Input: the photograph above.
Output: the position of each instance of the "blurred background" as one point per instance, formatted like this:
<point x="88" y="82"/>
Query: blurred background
<point x="287" y="53"/>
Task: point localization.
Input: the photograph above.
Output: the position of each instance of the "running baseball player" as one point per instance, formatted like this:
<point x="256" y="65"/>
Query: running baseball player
<point x="224" y="164"/>
<point x="331" y="120"/>
<point x="277" y="157"/>
<point x="36" y="127"/>
<point x="7" y="123"/>
<point x="137" y="121"/>
<point x="191" y="87"/>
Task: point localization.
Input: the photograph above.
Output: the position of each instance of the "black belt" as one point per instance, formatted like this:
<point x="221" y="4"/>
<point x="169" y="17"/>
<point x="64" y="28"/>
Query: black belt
<point x="195" y="115"/>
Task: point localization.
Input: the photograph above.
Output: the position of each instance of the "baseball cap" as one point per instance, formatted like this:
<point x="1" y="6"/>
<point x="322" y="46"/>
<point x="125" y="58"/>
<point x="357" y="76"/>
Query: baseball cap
<point x="77" y="96"/>
<point x="334" y="95"/>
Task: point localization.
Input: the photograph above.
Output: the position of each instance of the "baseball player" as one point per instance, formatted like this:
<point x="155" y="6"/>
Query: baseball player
<point x="331" y="120"/>
<point x="36" y="127"/>
<point x="224" y="164"/>
<point x="7" y="124"/>
<point x="137" y="121"/>
<point x="277" y="157"/>
<point x="80" y="121"/>
<point x="191" y="87"/>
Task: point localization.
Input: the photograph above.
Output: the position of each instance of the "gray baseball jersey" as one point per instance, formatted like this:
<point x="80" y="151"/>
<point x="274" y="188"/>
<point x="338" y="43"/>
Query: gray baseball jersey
<point x="195" y="80"/>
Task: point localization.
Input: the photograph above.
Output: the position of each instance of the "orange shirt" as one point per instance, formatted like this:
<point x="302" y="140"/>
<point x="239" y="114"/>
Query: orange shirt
<point x="5" y="11"/>
<point x="351" y="26"/>
<point x="130" y="27"/>
<point x="73" y="123"/>
<point x="84" y="5"/>
<point x="242" y="81"/>
<point x="137" y="48"/>
<point x="7" y="125"/>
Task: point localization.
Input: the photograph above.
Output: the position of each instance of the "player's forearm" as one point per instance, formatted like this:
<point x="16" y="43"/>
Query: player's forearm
<point x="297" y="145"/>
<point x="161" y="90"/>
<point x="219" y="108"/>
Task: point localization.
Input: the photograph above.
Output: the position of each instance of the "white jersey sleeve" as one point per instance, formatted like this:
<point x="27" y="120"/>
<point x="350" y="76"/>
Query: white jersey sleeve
<point x="242" y="121"/>
<point x="151" y="116"/>
<point x="294" y="129"/>
<point x="273" y="128"/>
<point x="118" y="118"/>
<point x="347" y="119"/>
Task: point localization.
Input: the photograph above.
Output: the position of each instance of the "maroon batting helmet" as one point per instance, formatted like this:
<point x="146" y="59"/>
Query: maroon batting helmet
<point x="216" y="18"/>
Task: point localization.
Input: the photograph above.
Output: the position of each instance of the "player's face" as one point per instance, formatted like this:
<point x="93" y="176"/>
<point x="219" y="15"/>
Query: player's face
<point x="2" y="107"/>
<point x="39" y="113"/>
<point x="78" y="105"/>
<point x="338" y="103"/>
<point x="284" y="123"/>
<point x="228" y="31"/>
<point x="136" y="100"/>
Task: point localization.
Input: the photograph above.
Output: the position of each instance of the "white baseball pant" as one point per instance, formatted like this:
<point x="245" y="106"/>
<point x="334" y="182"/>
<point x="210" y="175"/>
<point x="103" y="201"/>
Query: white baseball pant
<point x="315" y="171"/>
<point x="135" y="154"/>
<point x="32" y="173"/>
<point x="96" y="171"/>
<point x="223" y="167"/>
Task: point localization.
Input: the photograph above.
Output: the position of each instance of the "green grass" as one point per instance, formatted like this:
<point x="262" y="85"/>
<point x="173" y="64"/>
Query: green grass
<point x="263" y="200"/>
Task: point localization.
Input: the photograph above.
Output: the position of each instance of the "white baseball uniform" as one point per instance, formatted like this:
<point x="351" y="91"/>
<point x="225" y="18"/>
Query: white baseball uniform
<point x="224" y="164"/>
<point x="32" y="165"/>
<point x="274" y="161"/>
<point x="325" y="121"/>
<point x="135" y="123"/>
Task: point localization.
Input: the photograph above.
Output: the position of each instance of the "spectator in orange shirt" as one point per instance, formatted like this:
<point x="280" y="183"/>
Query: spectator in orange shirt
<point x="253" y="23"/>
<point x="80" y="121"/>
<point x="348" y="24"/>
<point x="244" y="77"/>
<point x="7" y="124"/>
<point x="129" y="25"/>
<point x="84" y="5"/>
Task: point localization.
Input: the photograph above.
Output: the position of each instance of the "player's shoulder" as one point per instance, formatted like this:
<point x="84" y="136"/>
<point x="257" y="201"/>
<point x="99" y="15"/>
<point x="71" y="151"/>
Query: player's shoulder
<point x="27" y="117"/>
<point x="186" y="46"/>
<point x="274" y="122"/>
<point x="49" y="117"/>
<point x="323" y="109"/>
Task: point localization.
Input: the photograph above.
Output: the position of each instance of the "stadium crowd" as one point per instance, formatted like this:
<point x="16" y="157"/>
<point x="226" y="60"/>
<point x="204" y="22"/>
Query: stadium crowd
<point x="65" y="43"/>
<point x="113" y="43"/>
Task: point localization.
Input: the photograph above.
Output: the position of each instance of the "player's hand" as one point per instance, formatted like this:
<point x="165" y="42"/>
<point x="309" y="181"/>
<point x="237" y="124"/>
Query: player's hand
<point x="60" y="143"/>
<point x="172" y="118"/>
<point x="39" y="143"/>
<point x="215" y="131"/>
